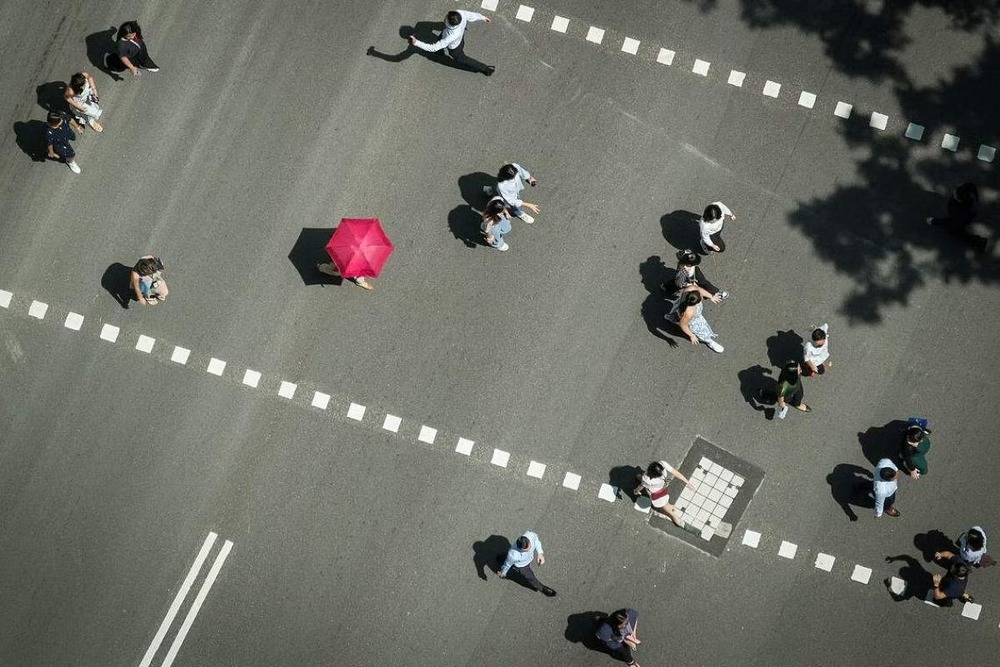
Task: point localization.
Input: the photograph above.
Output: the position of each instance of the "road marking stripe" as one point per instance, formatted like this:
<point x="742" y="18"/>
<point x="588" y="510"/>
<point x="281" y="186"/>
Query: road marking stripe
<point x="787" y="549"/>
<point x="595" y="35"/>
<point x="986" y="153"/>
<point x="950" y="142"/>
<point x="701" y="67"/>
<point x="37" y="309"/>
<point x="971" y="610"/>
<point x="914" y="131"/>
<point x="216" y="366"/>
<point x="73" y="321"/>
<point x="861" y="574"/>
<point x="320" y="400"/>
<point x="878" y="120"/>
<point x="736" y="78"/>
<point x="427" y="434"/>
<point x="500" y="458"/>
<point x="666" y="57"/>
<point x="571" y="481"/>
<point x="490" y="5"/>
<point x="807" y="100"/>
<point x="178" y="599"/>
<point x="356" y="412"/>
<point x="5" y="298"/>
<point x="560" y="24"/>
<point x="536" y="469"/>
<point x="287" y="389"/>
<point x="206" y="586"/>
<point x="464" y="446"/>
<point x="825" y="562"/>
<point x="751" y="538"/>
<point x="180" y="355"/>
<point x="392" y="423"/>
<point x="607" y="492"/>
<point x="524" y="13"/>
<point x="109" y="332"/>
<point x="772" y="88"/>
<point x="251" y="378"/>
<point x="843" y="110"/>
<point x="630" y="46"/>
<point x="145" y="344"/>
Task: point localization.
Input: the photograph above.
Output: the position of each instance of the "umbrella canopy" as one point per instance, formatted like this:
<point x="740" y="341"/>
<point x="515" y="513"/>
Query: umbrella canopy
<point x="359" y="247"/>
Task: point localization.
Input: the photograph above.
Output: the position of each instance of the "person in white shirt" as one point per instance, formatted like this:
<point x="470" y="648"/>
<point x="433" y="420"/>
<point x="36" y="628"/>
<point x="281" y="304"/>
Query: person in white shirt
<point x="510" y="183"/>
<point x="710" y="225"/>
<point x="816" y="352"/>
<point x="519" y="558"/>
<point x="885" y="486"/>
<point x="453" y="40"/>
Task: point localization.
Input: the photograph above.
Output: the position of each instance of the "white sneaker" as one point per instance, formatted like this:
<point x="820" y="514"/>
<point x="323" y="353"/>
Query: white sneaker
<point x="74" y="167"/>
<point x="715" y="347"/>
<point x="783" y="412"/>
<point x="502" y="248"/>
<point x="527" y="218"/>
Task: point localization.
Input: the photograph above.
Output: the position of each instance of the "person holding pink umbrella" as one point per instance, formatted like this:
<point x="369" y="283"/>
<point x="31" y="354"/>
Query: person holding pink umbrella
<point x="359" y="249"/>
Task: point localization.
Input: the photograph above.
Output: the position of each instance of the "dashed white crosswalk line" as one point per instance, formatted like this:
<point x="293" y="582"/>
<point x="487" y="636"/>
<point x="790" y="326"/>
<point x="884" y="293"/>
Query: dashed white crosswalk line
<point x="73" y="321"/>
<point x="787" y="549"/>
<point x="878" y="120"/>
<point x="5" y="298"/>
<point x="320" y="400"/>
<point x="861" y="574"/>
<point x="490" y="5"/>
<point x="37" y="309"/>
<point x="736" y="78"/>
<point x="986" y="153"/>
<point x="665" y="56"/>
<point x="392" y="423"/>
<point x="595" y="35"/>
<point x="608" y="493"/>
<point x="630" y="46"/>
<point x="216" y="366"/>
<point x="287" y="389"/>
<point x="824" y="562"/>
<point x="914" y="131"/>
<point x="536" y="469"/>
<point x="109" y="332"/>
<point x="572" y="481"/>
<point x="751" y="538"/>
<point x="356" y="412"/>
<point x="525" y="13"/>
<point x="251" y="378"/>
<point x="145" y="344"/>
<point x="427" y="434"/>
<point x="807" y="100"/>
<point x="843" y="110"/>
<point x="464" y="446"/>
<point x="180" y="355"/>
<point x="560" y="24"/>
<point x="500" y="458"/>
<point x="772" y="88"/>
<point x="950" y="142"/>
<point x="701" y="67"/>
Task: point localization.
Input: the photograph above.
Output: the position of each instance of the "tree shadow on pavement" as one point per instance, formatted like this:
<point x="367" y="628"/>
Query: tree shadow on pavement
<point x="102" y="54"/>
<point x="918" y="580"/>
<point x="931" y="542"/>
<point x="581" y="628"/>
<point x="30" y="138"/>
<point x="117" y="282"/>
<point x="851" y="487"/>
<point x="680" y="229"/>
<point x="883" y="442"/>
<point x="784" y="346"/>
<point x="755" y="382"/>
<point x="310" y="250"/>
<point x="624" y="479"/>
<point x="489" y="554"/>
<point x="655" y="307"/>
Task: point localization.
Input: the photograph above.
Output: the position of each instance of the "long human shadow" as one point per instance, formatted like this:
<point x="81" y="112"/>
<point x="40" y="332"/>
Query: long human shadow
<point x="680" y="229"/>
<point x="488" y="554"/>
<point x="425" y="31"/>
<point x="465" y="221"/>
<point x="102" y="54"/>
<point x="784" y="346"/>
<point x="850" y="486"/>
<point x="581" y="628"/>
<point x="30" y="138"/>
<point x="756" y="384"/>
<point x="308" y="251"/>
<point x="883" y="442"/>
<point x="115" y="281"/>
<point x="655" y="307"/>
<point x="918" y="580"/>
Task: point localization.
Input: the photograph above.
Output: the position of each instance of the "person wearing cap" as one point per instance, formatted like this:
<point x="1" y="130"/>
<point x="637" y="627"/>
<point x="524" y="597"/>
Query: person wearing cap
<point x="689" y="273"/>
<point x="885" y="486"/>
<point x="519" y="558"/>
<point x="913" y="450"/>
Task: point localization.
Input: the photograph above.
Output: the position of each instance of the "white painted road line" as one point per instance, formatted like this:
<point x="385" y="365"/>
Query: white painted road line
<point x="320" y="400"/>
<point x="665" y="57"/>
<point x="287" y="389"/>
<point x="216" y="366"/>
<point x="145" y="344"/>
<point x="772" y="88"/>
<point x="206" y="586"/>
<point x="843" y="110"/>
<point x="560" y="24"/>
<point x="787" y="549"/>
<point x="751" y="538"/>
<point x="914" y="131"/>
<point x="861" y="574"/>
<point x="986" y="153"/>
<point x="37" y="309"/>
<point x="73" y="321"/>
<point x="109" y="333"/>
<point x="825" y="562"/>
<point x="950" y="142"/>
<point x="878" y="120"/>
<point x="608" y="492"/>
<point x="630" y="46"/>
<point x="524" y="13"/>
<point x="595" y="35"/>
<point x="251" y="378"/>
<point x="490" y="5"/>
<point x="392" y="423"/>
<point x="5" y="298"/>
<point x="178" y="600"/>
<point x="356" y="412"/>
<point x="464" y="446"/>
<point x="427" y="434"/>
<point x="536" y="469"/>
<point x="500" y="458"/>
<point x="736" y="78"/>
<point x="571" y="481"/>
<point x="701" y="67"/>
<point x="972" y="610"/>
<point x="807" y="100"/>
<point x="180" y="355"/>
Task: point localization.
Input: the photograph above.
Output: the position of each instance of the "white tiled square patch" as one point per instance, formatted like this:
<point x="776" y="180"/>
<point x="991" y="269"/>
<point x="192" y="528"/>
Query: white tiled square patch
<point x="607" y="492"/>
<point x="595" y="35"/>
<point x="500" y="458"/>
<point x="109" y="332"/>
<point x="950" y="142"/>
<point x="772" y="88"/>
<point x="701" y="67"/>
<point x="861" y="574"/>
<point x="630" y="46"/>
<point x="914" y="131"/>
<point x="571" y="481"/>
<point x="787" y="549"/>
<point x="843" y="110"/>
<point x="251" y="378"/>
<point x="807" y="100"/>
<point x="74" y="321"/>
<point x="536" y="469"/>
<point x="37" y="309"/>
<point x="392" y="423"/>
<point x="560" y="24"/>
<point x="320" y="400"/>
<point x="524" y="13"/>
<point x="824" y="562"/>
<point x="287" y="389"/>
<point x="427" y="434"/>
<point x="216" y="366"/>
<point x="356" y="412"/>
<point x="665" y="57"/>
<point x="180" y="355"/>
<point x="145" y="344"/>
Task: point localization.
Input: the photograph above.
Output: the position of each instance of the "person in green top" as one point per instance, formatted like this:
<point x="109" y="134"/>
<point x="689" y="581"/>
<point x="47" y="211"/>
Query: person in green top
<point x="790" y="389"/>
<point x="914" y="450"/>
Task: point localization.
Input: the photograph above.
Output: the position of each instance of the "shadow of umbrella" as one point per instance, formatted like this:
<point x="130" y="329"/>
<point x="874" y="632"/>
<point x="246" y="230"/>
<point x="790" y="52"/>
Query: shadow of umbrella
<point x="308" y="251"/>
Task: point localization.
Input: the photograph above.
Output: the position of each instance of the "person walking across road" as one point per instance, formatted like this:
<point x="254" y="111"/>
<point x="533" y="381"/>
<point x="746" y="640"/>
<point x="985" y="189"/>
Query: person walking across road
<point x="330" y="269"/>
<point x="510" y="182"/>
<point x="132" y="49"/>
<point x="453" y="40"/>
<point x="687" y="313"/>
<point x="913" y="450"/>
<point x="618" y="633"/>
<point x="654" y="482"/>
<point x="885" y="485"/>
<point x="147" y="281"/>
<point x="689" y="273"/>
<point x="496" y="224"/>
<point x="710" y="225"/>
<point x="58" y="133"/>
<point x="816" y="352"/>
<point x="790" y="391"/>
<point x="952" y="585"/>
<point x="971" y="549"/>
<point x="519" y="558"/>
<point x="81" y="96"/>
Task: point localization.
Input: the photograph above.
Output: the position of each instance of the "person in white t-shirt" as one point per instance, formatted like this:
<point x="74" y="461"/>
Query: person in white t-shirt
<point x="654" y="482"/>
<point x="816" y="352"/>
<point x="710" y="225"/>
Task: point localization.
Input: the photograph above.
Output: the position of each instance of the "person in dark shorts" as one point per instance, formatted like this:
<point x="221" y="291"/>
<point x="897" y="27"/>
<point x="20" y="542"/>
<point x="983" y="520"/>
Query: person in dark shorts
<point x="132" y="49"/>
<point x="952" y="585"/>
<point x="617" y="633"/>
<point x="58" y="133"/>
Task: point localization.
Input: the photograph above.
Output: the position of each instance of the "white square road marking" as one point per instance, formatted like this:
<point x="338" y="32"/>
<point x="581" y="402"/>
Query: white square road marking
<point x="427" y="434"/>
<point x="320" y="400"/>
<point x="807" y="100"/>
<point x="972" y="610"/>
<point x="665" y="57"/>
<point x="772" y="88"/>
<point x="180" y="355"/>
<point x="216" y="366"/>
<point x="630" y="46"/>
<point x="736" y="78"/>
<point x="251" y="378"/>
<point x="5" y="298"/>
<point x="701" y="67"/>
<point x="787" y="549"/>
<point x="572" y="481"/>
<point x="287" y="389"/>
<point x="392" y="423"/>
<point x="73" y="321"/>
<point x="109" y="332"/>
<point x="878" y="120"/>
<point x="500" y="458"/>
<point x="595" y="35"/>
<point x="843" y="110"/>
<point x="536" y="470"/>
<point x="751" y="538"/>
<point x="897" y="586"/>
<point x="356" y="412"/>
<point x="145" y="344"/>
<point x="490" y="5"/>
<point x="950" y="142"/>
<point x="986" y="153"/>
<point x="37" y="309"/>
<point x="861" y="574"/>
<point x="524" y="13"/>
<point x="914" y="131"/>
<point x="824" y="562"/>
<point x="607" y="492"/>
<point x="560" y="24"/>
<point x="464" y="446"/>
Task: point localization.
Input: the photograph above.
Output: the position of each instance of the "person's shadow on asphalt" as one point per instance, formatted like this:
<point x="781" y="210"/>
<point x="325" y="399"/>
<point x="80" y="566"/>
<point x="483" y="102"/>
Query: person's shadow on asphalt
<point x="882" y="442"/>
<point x="625" y="479"/>
<point x="756" y="383"/>
<point x="116" y="280"/>
<point x="656" y="306"/>
<point x="918" y="580"/>
<point x="102" y="54"/>
<point x="783" y="347"/>
<point x="30" y="138"/>
<point x="680" y="229"/>
<point x="424" y="31"/>
<point x="851" y="487"/>
<point x="581" y="628"/>
<point x="489" y="554"/>
<point x="933" y="541"/>
<point x="466" y="221"/>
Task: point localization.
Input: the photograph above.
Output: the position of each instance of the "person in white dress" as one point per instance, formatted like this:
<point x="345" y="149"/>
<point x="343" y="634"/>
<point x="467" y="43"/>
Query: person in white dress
<point x="81" y="96"/>
<point x="654" y="483"/>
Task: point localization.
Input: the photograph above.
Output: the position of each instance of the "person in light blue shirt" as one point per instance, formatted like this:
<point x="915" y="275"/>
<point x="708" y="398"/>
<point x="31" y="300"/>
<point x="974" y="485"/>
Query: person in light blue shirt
<point x="453" y="40"/>
<point x="884" y="481"/>
<point x="519" y="558"/>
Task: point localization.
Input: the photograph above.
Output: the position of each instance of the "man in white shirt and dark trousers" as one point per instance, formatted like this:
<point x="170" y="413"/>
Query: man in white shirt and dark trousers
<point x="710" y="226"/>
<point x="816" y="352"/>
<point x="453" y="40"/>
<point x="519" y="558"/>
<point x="885" y="486"/>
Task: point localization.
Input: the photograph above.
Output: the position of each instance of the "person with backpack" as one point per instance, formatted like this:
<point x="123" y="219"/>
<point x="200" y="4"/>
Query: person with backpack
<point x="147" y="281"/>
<point x="132" y="49"/>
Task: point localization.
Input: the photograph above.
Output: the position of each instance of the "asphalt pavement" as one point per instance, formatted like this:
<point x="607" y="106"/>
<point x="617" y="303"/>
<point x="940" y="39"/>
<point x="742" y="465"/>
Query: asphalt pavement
<point x="356" y="541"/>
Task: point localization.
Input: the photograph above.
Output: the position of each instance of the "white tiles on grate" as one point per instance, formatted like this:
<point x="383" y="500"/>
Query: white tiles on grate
<point x="392" y="423"/>
<point x="251" y="378"/>
<point x="320" y="400"/>
<point x="356" y="412"/>
<point x="109" y="332"/>
<point x="73" y="321"/>
<point x="427" y="434"/>
<point x="216" y="366"/>
<point x="464" y="446"/>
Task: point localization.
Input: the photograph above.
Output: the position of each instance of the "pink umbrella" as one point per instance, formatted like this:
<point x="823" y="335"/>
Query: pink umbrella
<point x="359" y="247"/>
